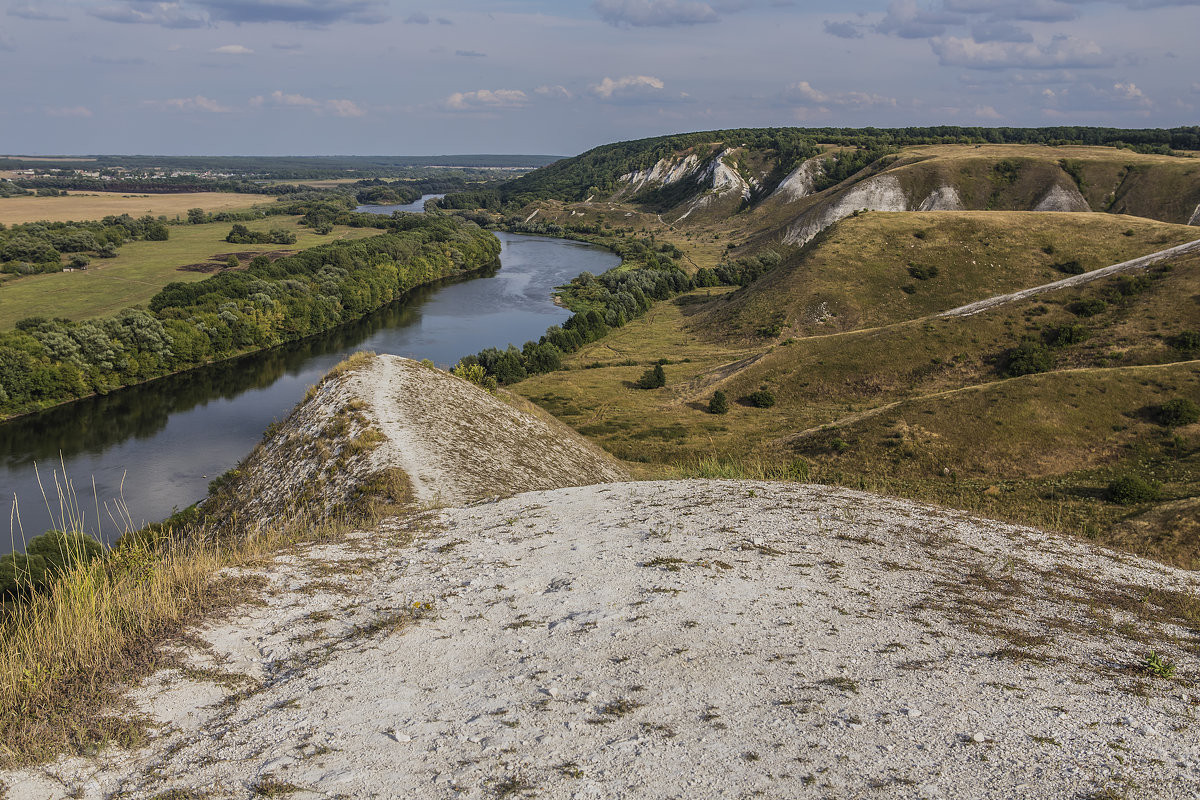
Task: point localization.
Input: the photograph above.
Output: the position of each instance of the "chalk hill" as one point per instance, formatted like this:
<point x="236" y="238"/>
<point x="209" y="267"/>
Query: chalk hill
<point x="658" y="639"/>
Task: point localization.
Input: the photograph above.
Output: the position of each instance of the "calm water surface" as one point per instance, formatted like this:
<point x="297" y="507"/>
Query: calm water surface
<point x="157" y="445"/>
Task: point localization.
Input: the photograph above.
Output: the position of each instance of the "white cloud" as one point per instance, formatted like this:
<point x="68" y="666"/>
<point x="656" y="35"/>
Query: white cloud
<point x="806" y="94"/>
<point x="907" y="20"/>
<point x="608" y="87"/>
<point x="986" y="112"/>
<point x="70" y="111"/>
<point x="282" y="99"/>
<point x="233" y="50"/>
<point x="482" y="99"/>
<point x="197" y="103"/>
<point x="556" y="92"/>
<point x="1060" y="52"/>
<point x="345" y="108"/>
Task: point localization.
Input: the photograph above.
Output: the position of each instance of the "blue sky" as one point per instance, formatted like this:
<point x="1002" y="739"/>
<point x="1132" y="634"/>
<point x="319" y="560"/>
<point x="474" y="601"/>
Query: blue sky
<point x="526" y="76"/>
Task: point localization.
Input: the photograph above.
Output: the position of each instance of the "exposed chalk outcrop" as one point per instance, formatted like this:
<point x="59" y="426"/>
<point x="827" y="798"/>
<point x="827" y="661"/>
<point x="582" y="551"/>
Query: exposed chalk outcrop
<point x="665" y="172"/>
<point x="454" y="443"/>
<point x="944" y="198"/>
<point x="880" y="193"/>
<point x="1062" y="198"/>
<point x="1195" y="218"/>
<point x="800" y="183"/>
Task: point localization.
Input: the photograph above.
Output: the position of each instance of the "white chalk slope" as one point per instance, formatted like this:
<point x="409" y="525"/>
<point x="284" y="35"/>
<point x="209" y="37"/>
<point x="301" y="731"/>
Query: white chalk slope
<point x="681" y="639"/>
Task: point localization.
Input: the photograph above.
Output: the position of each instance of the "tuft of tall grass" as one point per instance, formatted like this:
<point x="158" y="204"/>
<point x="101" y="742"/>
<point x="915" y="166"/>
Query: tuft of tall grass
<point x="63" y="649"/>
<point x="69" y="647"/>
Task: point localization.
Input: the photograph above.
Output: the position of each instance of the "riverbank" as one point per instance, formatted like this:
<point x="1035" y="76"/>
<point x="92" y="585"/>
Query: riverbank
<point x="159" y="444"/>
<point x="47" y="362"/>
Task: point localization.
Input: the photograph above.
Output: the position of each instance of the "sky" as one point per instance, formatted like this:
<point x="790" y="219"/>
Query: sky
<point x="434" y="77"/>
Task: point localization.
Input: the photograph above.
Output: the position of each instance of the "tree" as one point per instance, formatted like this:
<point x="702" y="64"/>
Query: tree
<point x="157" y="232"/>
<point x="196" y="216"/>
<point x="239" y="234"/>
<point x="718" y="404"/>
<point x="652" y="378"/>
<point x="232" y="262"/>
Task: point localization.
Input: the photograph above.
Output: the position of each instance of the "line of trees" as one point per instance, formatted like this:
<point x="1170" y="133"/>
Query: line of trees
<point x="648" y="272"/>
<point x="37" y="247"/>
<point x="48" y="361"/>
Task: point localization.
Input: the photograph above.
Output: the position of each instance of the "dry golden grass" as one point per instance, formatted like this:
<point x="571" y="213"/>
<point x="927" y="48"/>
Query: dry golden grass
<point x="1038" y="151"/>
<point x="64" y="651"/>
<point x="94" y="205"/>
<point x="68" y="652"/>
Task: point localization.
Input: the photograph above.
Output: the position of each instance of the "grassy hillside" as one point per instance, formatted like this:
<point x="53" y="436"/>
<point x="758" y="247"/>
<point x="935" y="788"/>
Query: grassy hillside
<point x="923" y="407"/>
<point x="881" y="268"/>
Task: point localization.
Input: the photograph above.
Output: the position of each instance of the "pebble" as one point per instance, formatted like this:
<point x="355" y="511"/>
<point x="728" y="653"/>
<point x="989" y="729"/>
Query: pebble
<point x="978" y="737"/>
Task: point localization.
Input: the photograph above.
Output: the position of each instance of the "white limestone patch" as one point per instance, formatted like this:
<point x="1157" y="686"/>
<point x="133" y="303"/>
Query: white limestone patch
<point x="799" y="184"/>
<point x="1195" y="218"/>
<point x="944" y="198"/>
<point x="1062" y="198"/>
<point x="664" y="173"/>
<point x="880" y="193"/>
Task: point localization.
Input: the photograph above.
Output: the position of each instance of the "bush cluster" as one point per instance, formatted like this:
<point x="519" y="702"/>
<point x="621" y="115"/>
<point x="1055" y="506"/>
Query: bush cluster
<point x="1027" y="358"/>
<point x="1129" y="490"/>
<point x="653" y="378"/>
<point x="240" y="234"/>
<point x="39" y="247"/>
<point x="1179" y="411"/>
<point x="46" y="556"/>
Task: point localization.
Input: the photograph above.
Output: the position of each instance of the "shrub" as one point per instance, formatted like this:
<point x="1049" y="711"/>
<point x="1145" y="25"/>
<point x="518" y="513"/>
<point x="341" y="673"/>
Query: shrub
<point x="1071" y="267"/>
<point x="1180" y="411"/>
<point x="1130" y="490"/>
<point x="1065" y="335"/>
<point x="719" y="404"/>
<point x="761" y="399"/>
<point x="1187" y="341"/>
<point x="1027" y="358"/>
<point x="46" y="556"/>
<point x="653" y="378"/>
<point x="472" y="373"/>
<point x="922" y="272"/>
<point x="1089" y="307"/>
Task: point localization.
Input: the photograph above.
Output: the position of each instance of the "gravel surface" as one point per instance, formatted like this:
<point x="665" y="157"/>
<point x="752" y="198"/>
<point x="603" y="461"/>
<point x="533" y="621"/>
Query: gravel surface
<point x="688" y="639"/>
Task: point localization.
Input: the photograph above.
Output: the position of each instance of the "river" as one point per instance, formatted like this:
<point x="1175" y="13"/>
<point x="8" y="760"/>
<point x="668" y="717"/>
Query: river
<point x="136" y="454"/>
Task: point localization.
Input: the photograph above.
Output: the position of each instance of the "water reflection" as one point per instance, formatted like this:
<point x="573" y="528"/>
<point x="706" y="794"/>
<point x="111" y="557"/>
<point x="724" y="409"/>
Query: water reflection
<point x="158" y="444"/>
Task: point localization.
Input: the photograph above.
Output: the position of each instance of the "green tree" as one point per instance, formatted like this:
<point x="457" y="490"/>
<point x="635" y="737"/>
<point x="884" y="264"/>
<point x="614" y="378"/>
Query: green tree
<point x="196" y="216"/>
<point x="653" y="378"/>
<point x="718" y="404"/>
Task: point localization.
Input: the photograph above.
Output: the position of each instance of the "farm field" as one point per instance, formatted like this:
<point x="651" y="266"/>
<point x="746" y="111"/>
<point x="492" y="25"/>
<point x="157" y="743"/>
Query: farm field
<point x="95" y="205"/>
<point x="142" y="268"/>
